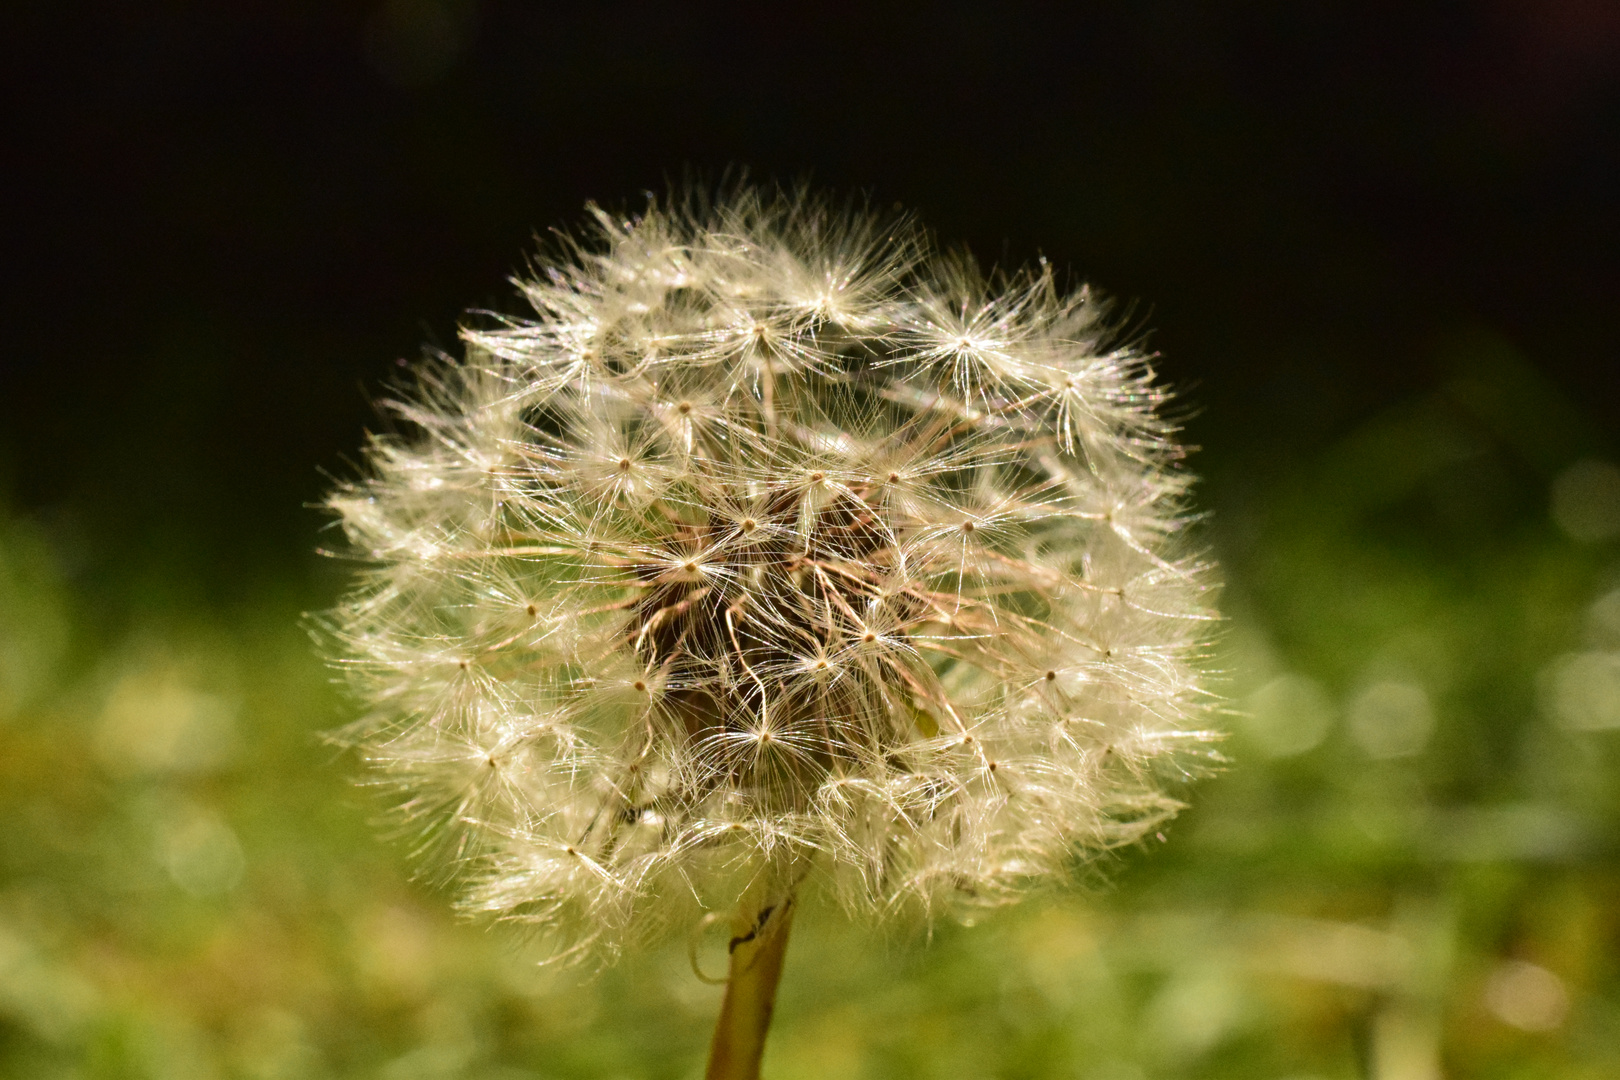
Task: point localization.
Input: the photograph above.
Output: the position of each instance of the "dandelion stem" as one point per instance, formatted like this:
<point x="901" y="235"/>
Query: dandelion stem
<point x="745" y="1014"/>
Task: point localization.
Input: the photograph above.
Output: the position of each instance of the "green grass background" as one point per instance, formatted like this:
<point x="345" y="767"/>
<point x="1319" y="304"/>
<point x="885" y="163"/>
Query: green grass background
<point x="1407" y="869"/>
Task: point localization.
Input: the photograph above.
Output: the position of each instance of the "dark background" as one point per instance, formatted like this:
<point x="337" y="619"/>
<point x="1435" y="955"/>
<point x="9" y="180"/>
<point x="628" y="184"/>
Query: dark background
<point x="225" y="222"/>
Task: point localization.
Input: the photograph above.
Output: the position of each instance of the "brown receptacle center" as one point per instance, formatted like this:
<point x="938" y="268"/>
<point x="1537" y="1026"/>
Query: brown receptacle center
<point x="743" y="620"/>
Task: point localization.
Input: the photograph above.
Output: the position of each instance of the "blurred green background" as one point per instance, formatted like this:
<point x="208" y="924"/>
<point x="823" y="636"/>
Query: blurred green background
<point x="1383" y="257"/>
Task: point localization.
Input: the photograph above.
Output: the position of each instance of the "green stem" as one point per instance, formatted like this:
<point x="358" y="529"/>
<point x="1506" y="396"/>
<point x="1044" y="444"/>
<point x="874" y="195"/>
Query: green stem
<point x="757" y="949"/>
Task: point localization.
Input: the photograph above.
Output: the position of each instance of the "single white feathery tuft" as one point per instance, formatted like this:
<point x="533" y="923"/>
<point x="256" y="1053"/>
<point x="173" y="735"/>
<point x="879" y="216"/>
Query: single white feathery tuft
<point x="773" y="546"/>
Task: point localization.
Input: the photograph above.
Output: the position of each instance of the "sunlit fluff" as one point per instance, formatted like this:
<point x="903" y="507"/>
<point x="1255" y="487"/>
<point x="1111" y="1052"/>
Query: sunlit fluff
<point x="773" y="548"/>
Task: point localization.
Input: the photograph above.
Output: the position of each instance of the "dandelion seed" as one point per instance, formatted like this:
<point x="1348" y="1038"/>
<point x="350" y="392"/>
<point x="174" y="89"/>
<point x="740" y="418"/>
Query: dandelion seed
<point x="855" y="566"/>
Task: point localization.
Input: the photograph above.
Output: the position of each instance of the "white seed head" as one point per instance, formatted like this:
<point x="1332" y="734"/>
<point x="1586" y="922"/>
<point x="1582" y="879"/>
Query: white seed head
<point x="774" y="545"/>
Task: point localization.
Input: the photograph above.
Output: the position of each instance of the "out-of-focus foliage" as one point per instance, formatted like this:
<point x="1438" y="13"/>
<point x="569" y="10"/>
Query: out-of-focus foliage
<point x="1408" y="871"/>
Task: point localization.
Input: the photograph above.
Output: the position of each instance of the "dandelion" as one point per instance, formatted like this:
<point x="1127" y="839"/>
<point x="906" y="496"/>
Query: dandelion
<point x="774" y="549"/>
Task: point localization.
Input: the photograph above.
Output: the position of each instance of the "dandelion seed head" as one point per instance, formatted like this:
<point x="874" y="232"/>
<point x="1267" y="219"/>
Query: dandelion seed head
<point x="773" y="546"/>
